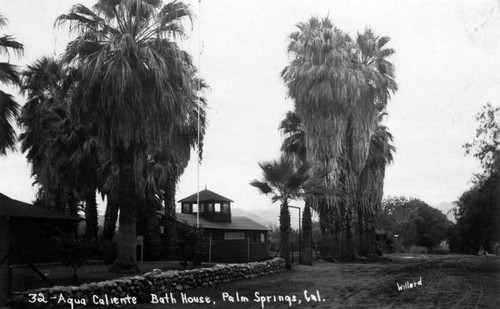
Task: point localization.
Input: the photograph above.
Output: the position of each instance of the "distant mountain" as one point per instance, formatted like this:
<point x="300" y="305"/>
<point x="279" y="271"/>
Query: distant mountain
<point x="444" y="207"/>
<point x="263" y="217"/>
<point x="267" y="216"/>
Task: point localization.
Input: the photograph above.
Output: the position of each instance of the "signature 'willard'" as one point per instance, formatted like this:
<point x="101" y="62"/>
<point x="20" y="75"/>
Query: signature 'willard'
<point x="409" y="285"/>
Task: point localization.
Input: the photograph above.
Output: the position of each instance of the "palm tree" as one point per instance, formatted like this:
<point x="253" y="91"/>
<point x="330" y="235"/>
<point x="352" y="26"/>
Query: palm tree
<point x="339" y="86"/>
<point x="132" y="76"/>
<point x="371" y="186"/>
<point x="285" y="181"/>
<point x="174" y="159"/>
<point x="44" y="117"/>
<point x="65" y="156"/>
<point x="294" y="145"/>
<point x="9" y="109"/>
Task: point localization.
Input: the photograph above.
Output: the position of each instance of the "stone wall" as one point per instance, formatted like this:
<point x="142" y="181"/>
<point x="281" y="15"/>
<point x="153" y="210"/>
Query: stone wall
<point x="131" y="290"/>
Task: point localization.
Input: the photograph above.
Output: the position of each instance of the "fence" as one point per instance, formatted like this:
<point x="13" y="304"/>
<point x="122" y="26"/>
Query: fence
<point x="235" y="251"/>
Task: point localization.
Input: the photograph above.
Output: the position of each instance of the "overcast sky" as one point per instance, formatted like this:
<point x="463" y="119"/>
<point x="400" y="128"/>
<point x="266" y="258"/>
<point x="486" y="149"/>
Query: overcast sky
<point x="447" y="67"/>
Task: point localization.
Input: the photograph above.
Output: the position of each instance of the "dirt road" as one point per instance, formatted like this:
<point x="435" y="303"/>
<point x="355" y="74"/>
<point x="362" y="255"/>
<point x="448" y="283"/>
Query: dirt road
<point x="397" y="281"/>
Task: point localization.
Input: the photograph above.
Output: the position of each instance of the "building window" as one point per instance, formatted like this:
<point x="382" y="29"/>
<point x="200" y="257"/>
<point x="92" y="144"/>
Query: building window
<point x="186" y="208"/>
<point x="262" y="237"/>
<point x="225" y="208"/>
<point x="234" y="235"/>
<point x="211" y="207"/>
<point x="202" y="207"/>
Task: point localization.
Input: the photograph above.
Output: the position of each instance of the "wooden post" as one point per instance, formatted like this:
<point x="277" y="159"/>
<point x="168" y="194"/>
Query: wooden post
<point x="210" y="250"/>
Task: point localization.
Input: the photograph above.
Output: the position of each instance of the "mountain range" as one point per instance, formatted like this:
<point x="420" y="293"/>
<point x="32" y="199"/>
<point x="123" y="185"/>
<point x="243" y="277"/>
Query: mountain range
<point x="270" y="216"/>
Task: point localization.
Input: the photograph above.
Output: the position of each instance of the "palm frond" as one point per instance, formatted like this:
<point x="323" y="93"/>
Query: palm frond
<point x="9" y="111"/>
<point x="8" y="43"/>
<point x="9" y="74"/>
<point x="262" y="186"/>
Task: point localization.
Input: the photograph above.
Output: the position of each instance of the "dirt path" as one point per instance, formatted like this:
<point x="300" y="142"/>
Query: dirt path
<point x="446" y="282"/>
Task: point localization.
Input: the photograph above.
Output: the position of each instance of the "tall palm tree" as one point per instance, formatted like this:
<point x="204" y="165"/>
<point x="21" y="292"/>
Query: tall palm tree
<point x="285" y="181"/>
<point x="43" y="118"/>
<point x="294" y="145"/>
<point x="371" y="185"/>
<point x="177" y="155"/>
<point x="339" y="86"/>
<point x="132" y="76"/>
<point x="64" y="155"/>
<point x="9" y="109"/>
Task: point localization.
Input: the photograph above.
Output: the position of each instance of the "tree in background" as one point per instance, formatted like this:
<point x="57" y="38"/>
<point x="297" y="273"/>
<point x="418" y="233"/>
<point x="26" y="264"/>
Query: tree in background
<point x="478" y="209"/>
<point x="339" y="86"/>
<point x="132" y="78"/>
<point x="414" y="221"/>
<point x="9" y="109"/>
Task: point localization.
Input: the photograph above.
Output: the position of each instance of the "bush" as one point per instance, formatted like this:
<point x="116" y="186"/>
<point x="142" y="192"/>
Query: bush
<point x="190" y="245"/>
<point x="73" y="252"/>
<point x="417" y="250"/>
<point x="384" y="244"/>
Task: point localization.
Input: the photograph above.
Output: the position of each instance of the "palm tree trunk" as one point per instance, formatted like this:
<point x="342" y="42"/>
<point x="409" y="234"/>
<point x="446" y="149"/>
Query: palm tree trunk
<point x="351" y="228"/>
<point x="362" y="245"/>
<point x="59" y="200"/>
<point x="337" y="240"/>
<point x="127" y="201"/>
<point x="110" y="218"/>
<point x="72" y="209"/>
<point x="90" y="215"/>
<point x="152" y="240"/>
<point x="307" y="234"/>
<point x="170" y="226"/>
<point x="285" y="234"/>
<point x="370" y="235"/>
<point x="71" y="203"/>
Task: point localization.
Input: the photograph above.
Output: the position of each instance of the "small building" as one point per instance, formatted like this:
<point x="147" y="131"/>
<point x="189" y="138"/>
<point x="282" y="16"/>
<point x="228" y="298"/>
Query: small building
<point x="232" y="239"/>
<point x="26" y="229"/>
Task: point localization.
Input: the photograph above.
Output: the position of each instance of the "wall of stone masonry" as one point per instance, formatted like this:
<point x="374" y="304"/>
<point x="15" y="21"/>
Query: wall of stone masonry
<point x="141" y="287"/>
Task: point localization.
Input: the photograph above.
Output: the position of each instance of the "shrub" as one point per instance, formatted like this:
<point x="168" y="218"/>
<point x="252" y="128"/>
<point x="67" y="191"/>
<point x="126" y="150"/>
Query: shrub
<point x="417" y="250"/>
<point x="383" y="243"/>
<point x="73" y="252"/>
<point x="190" y="245"/>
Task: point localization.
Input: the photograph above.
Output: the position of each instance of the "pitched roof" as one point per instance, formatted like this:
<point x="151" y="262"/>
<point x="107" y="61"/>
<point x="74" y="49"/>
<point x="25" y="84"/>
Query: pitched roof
<point x="238" y="223"/>
<point x="13" y="208"/>
<point x="205" y="196"/>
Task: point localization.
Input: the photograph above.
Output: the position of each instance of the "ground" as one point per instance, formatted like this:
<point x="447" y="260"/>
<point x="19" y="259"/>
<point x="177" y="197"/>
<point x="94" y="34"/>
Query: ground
<point x="447" y="281"/>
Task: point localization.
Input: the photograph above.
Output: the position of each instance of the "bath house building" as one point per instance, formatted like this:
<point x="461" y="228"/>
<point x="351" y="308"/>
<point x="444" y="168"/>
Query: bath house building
<point x="233" y="239"/>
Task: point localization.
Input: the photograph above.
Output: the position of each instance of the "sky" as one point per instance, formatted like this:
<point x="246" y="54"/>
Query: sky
<point x="447" y="64"/>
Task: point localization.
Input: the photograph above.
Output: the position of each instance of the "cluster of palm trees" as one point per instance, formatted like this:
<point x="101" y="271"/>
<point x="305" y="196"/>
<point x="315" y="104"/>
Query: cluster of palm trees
<point x="340" y="86"/>
<point x="117" y="113"/>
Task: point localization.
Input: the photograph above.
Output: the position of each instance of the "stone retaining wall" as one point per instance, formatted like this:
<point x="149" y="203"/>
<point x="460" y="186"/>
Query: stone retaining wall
<point x="131" y="290"/>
